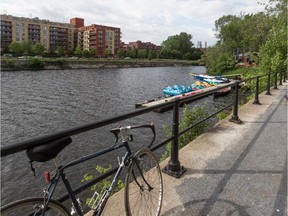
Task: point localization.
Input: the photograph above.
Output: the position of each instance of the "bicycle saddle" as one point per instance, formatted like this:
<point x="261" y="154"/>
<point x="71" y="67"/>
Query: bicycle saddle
<point x="49" y="150"/>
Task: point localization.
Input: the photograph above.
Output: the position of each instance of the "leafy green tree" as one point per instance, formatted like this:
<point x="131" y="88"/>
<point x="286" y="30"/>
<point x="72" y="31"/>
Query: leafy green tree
<point x="16" y="48"/>
<point x="38" y="49"/>
<point x="143" y="54"/>
<point x="218" y="60"/>
<point x="249" y="31"/>
<point x="60" y="51"/>
<point x="196" y="54"/>
<point x="92" y="52"/>
<point x="108" y="52"/>
<point x="273" y="54"/>
<point x="86" y="54"/>
<point x="177" y="46"/>
<point x="152" y="55"/>
<point x="121" y="53"/>
<point x="27" y="47"/>
<point x="78" y="51"/>
<point x="131" y="53"/>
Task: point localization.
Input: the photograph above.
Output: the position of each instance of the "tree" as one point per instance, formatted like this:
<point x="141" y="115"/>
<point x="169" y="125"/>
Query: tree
<point x="273" y="54"/>
<point x="218" y="60"/>
<point x="27" y="47"/>
<point x="121" y="53"/>
<point x="131" y="53"/>
<point x="108" y="52"/>
<point x="16" y="48"/>
<point x="78" y="52"/>
<point x="92" y="52"/>
<point x="143" y="54"/>
<point x="152" y="55"/>
<point x="60" y="51"/>
<point x="177" y="46"/>
<point x="248" y="31"/>
<point x="86" y="54"/>
<point x="38" y="49"/>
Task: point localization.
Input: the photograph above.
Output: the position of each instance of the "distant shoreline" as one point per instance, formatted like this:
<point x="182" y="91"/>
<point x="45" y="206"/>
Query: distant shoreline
<point x="12" y="64"/>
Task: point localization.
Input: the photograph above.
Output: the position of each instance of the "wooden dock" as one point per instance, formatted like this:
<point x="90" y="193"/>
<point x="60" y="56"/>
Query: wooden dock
<point x="158" y="101"/>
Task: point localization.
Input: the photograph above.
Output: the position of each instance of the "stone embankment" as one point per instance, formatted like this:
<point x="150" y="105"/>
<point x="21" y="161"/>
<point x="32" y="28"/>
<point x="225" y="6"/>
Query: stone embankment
<point x="56" y="64"/>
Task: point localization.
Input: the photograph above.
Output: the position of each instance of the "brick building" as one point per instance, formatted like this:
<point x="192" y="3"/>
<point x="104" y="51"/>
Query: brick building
<point x="105" y="39"/>
<point x="141" y="46"/>
<point x="35" y="30"/>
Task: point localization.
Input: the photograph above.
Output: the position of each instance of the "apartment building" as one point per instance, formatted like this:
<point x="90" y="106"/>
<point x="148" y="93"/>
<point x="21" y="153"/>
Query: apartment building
<point x="35" y="30"/>
<point x="143" y="46"/>
<point x="105" y="39"/>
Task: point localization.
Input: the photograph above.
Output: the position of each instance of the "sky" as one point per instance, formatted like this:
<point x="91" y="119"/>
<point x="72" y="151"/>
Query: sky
<point x="145" y="20"/>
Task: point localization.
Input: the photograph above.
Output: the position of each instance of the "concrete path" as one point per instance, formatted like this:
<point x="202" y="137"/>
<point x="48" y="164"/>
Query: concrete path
<point x="235" y="169"/>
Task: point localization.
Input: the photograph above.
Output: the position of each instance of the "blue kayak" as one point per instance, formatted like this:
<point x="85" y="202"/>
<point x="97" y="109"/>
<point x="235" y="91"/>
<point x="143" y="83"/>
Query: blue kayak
<point x="176" y="90"/>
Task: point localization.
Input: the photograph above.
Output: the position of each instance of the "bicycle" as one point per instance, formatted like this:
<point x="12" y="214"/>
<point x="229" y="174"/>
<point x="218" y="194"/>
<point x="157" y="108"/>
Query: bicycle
<point x="143" y="182"/>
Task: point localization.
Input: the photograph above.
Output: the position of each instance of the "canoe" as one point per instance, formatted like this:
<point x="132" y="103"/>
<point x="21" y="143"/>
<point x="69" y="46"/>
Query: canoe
<point x="202" y="76"/>
<point x="213" y="81"/>
<point x="222" y="92"/>
<point x="207" y="77"/>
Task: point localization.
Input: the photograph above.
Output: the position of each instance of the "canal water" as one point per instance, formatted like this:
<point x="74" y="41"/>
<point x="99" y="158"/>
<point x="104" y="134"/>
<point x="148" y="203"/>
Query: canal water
<point x="36" y="103"/>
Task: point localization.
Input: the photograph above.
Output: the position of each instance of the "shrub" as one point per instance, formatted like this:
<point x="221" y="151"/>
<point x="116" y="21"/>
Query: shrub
<point x="9" y="63"/>
<point x="103" y="185"/>
<point x="35" y="63"/>
<point x="190" y="117"/>
<point x="61" y="63"/>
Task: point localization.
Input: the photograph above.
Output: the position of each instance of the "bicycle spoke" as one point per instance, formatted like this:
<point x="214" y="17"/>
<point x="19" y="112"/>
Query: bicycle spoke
<point x="143" y="190"/>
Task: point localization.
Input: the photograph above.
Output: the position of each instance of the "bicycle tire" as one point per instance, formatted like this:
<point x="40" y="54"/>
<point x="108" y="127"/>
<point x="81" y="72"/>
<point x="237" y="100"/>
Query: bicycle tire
<point x="32" y="206"/>
<point x="143" y="194"/>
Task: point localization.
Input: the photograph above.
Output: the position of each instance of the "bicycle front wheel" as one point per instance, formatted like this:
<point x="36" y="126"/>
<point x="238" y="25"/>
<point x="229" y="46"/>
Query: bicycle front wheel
<point x="34" y="206"/>
<point x="143" y="185"/>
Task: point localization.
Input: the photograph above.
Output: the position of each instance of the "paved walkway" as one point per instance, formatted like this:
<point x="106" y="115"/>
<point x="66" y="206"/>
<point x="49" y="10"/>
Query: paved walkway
<point x="235" y="169"/>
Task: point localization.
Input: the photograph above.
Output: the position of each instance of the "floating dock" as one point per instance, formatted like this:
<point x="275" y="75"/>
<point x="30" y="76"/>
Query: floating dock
<point x="158" y="101"/>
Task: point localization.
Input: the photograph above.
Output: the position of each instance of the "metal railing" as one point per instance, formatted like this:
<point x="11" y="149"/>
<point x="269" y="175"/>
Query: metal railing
<point x="173" y="167"/>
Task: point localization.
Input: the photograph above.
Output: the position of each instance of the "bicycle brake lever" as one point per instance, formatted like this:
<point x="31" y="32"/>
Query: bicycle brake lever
<point x="115" y="131"/>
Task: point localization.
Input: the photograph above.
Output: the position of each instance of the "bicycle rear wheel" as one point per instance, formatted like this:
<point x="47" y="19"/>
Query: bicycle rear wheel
<point x="34" y="206"/>
<point x="143" y="185"/>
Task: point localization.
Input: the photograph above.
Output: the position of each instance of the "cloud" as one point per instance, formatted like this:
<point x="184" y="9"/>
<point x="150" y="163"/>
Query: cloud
<point x="147" y="20"/>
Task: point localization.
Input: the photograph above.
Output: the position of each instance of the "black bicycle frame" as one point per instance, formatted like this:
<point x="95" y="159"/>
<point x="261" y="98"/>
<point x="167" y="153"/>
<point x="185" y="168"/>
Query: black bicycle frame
<point x="60" y="174"/>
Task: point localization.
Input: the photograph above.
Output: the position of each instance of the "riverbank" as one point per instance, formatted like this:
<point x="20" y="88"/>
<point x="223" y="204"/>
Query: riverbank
<point x="12" y="64"/>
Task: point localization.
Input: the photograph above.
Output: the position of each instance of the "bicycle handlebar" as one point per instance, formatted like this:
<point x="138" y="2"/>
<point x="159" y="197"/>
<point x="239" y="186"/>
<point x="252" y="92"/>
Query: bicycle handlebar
<point x="125" y="135"/>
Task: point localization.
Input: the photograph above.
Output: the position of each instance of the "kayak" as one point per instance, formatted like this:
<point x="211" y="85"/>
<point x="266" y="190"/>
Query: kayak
<point x="176" y="90"/>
